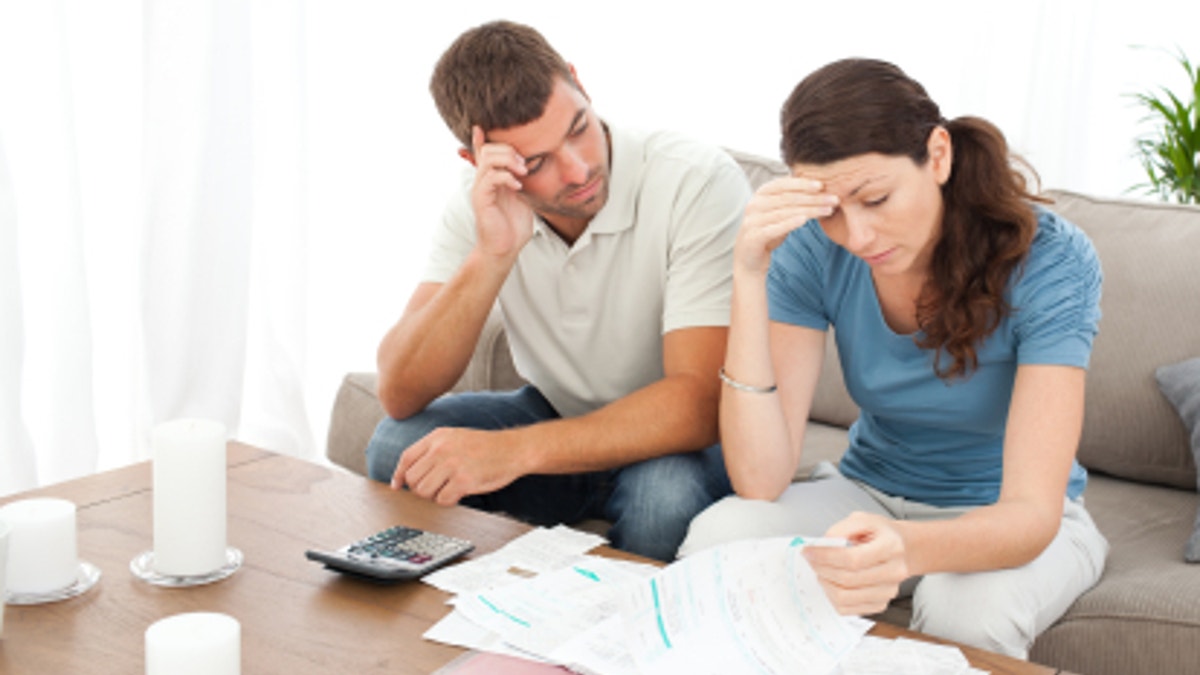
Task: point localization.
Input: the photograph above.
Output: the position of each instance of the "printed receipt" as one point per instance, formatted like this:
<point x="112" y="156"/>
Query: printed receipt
<point x="745" y="607"/>
<point x="753" y="606"/>
<point x="539" y="550"/>
<point x="546" y="612"/>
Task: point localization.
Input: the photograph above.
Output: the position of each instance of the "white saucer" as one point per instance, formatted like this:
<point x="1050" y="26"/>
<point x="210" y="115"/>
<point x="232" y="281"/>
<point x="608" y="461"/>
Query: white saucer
<point x="143" y="568"/>
<point x="88" y="575"/>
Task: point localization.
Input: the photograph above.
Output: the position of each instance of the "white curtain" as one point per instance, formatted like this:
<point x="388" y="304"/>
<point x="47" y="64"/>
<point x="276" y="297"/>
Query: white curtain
<point x="224" y="239"/>
<point x="19" y="467"/>
<point x="215" y="208"/>
<point x="154" y="235"/>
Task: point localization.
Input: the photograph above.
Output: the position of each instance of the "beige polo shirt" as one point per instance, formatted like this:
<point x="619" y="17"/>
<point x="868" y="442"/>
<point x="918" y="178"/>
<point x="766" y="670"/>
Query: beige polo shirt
<point x="585" y="322"/>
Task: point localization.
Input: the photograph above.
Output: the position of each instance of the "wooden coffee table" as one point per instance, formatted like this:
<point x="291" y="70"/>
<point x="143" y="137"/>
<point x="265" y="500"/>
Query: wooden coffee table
<point x="297" y="618"/>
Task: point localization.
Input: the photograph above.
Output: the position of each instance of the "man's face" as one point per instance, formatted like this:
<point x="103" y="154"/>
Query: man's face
<point x="566" y="154"/>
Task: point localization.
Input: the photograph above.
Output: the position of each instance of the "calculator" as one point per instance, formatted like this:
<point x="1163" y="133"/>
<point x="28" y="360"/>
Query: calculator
<point x="394" y="554"/>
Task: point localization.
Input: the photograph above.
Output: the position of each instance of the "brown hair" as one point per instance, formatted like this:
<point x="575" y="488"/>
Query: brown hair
<point x="497" y="75"/>
<point x="859" y="106"/>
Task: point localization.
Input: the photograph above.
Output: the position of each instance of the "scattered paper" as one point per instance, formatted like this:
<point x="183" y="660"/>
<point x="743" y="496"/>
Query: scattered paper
<point x="752" y="606"/>
<point x="600" y="650"/>
<point x="539" y="550"/>
<point x="457" y="630"/>
<point x="544" y="613"/>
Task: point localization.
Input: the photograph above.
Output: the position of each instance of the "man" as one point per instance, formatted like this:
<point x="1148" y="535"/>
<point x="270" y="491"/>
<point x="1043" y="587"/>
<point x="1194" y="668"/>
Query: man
<point x="610" y="254"/>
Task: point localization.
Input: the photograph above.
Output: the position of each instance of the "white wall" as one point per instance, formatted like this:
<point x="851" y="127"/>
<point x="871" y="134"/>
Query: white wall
<point x="1052" y="74"/>
<point x="351" y="163"/>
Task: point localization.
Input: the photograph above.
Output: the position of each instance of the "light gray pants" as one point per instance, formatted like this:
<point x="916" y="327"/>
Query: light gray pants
<point x="1001" y="610"/>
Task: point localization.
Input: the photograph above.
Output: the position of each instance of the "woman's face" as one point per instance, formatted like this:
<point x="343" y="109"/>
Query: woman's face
<point x="889" y="209"/>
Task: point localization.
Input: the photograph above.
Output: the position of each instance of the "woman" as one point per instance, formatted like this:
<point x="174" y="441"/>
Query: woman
<point x="964" y="315"/>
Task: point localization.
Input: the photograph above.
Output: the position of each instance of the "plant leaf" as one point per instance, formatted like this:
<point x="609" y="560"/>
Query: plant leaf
<point x="1170" y="153"/>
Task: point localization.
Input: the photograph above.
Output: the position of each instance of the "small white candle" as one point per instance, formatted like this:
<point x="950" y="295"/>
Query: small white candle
<point x="42" y="555"/>
<point x="196" y="643"/>
<point x="189" y="497"/>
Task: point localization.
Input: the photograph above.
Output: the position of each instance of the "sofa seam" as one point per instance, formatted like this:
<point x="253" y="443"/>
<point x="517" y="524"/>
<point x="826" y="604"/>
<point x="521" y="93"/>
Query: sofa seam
<point x="1154" y="206"/>
<point x="1120" y="618"/>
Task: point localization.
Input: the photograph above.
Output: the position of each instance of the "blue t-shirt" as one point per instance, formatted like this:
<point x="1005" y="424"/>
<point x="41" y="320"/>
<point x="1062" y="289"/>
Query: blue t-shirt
<point x="917" y="436"/>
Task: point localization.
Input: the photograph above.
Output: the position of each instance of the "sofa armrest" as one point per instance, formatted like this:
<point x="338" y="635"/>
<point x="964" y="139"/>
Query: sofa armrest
<point x="356" y="409"/>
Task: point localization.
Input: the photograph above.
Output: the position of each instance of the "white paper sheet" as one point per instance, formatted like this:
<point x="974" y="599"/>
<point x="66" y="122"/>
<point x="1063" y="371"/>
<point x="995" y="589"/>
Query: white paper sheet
<point x="541" y="614"/>
<point x="539" y="550"/>
<point x="748" y="607"/>
<point x="459" y="631"/>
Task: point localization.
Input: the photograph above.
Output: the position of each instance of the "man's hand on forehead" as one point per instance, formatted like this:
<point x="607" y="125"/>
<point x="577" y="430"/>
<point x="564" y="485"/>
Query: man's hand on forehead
<point x="497" y="157"/>
<point x="503" y="218"/>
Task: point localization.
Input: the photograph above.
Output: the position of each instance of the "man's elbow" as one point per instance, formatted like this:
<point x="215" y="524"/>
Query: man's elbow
<point x="703" y="436"/>
<point x="700" y="422"/>
<point x="398" y="404"/>
<point x="397" y="411"/>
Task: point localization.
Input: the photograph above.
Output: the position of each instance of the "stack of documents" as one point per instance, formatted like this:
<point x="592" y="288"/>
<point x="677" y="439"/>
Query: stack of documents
<point x="747" y="607"/>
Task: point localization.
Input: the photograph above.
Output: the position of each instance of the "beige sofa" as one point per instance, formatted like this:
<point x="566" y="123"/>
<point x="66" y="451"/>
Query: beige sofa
<point x="1144" y="614"/>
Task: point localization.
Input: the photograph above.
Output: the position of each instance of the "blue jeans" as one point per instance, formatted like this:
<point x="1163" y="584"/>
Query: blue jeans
<point x="650" y="503"/>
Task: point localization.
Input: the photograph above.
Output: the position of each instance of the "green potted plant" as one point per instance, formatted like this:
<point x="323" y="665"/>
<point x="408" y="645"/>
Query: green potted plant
<point x="1170" y="153"/>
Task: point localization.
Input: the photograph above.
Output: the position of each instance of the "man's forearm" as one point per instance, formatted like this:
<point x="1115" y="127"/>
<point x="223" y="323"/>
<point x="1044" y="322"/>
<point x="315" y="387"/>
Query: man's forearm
<point x="428" y="349"/>
<point x="675" y="414"/>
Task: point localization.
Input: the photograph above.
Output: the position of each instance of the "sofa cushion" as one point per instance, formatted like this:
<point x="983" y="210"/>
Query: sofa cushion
<point x="356" y="412"/>
<point x="759" y="169"/>
<point x="822" y="443"/>
<point x="1180" y="383"/>
<point x="1150" y="318"/>
<point x="1143" y="615"/>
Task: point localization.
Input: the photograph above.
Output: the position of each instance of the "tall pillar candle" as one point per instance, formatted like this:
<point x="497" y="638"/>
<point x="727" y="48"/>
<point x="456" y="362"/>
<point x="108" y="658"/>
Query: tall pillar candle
<point x="189" y="497"/>
<point x="196" y="643"/>
<point x="42" y="553"/>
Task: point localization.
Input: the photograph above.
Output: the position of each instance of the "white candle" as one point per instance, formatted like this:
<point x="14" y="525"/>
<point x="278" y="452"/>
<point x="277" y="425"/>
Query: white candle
<point x="189" y="497"/>
<point x="196" y="643"/>
<point x="42" y="556"/>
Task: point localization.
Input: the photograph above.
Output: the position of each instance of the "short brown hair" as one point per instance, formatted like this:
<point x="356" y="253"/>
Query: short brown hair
<point x="497" y="75"/>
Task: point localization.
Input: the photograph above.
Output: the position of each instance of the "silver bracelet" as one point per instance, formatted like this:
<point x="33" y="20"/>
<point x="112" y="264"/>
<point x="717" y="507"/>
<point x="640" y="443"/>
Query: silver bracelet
<point x="748" y="388"/>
